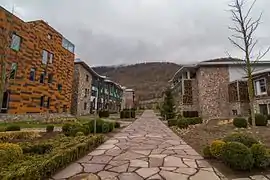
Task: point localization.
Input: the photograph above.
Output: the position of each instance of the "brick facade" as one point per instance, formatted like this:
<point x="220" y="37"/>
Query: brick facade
<point x="26" y="95"/>
<point x="213" y="91"/>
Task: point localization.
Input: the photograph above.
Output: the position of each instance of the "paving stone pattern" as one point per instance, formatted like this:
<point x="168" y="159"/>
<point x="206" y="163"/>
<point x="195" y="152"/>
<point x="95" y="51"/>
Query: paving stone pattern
<point x="147" y="149"/>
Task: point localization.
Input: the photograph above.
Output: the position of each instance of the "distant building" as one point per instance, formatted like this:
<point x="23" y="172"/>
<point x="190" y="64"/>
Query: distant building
<point x="217" y="88"/>
<point x="92" y="91"/>
<point x="128" y="98"/>
<point x="39" y="65"/>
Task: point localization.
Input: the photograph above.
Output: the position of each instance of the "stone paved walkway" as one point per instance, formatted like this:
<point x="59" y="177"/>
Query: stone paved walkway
<point x="147" y="149"/>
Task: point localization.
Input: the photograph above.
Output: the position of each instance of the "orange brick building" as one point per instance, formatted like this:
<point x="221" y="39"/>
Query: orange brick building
<point x="39" y="66"/>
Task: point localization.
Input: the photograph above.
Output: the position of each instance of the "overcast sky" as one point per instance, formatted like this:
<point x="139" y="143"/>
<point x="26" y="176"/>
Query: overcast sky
<point x="107" y="32"/>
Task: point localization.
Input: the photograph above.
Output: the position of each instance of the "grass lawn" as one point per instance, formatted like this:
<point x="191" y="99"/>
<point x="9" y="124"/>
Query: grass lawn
<point x="202" y="134"/>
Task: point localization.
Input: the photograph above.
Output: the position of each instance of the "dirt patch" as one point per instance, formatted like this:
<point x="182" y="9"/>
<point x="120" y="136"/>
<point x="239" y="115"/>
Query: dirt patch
<point x="200" y="135"/>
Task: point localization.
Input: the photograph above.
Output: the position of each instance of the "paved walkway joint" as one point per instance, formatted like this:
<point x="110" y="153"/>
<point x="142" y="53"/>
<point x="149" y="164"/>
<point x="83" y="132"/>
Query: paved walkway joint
<point x="145" y="150"/>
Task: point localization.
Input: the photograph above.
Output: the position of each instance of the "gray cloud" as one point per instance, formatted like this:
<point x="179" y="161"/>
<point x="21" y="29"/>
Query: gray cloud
<point x="109" y="32"/>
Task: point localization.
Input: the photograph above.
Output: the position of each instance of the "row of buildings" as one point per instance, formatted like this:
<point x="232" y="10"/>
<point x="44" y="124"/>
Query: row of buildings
<point x="39" y="73"/>
<point x="218" y="88"/>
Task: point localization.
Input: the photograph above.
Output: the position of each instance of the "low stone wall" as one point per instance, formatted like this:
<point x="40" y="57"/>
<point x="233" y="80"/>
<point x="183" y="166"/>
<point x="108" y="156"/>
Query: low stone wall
<point x="33" y="117"/>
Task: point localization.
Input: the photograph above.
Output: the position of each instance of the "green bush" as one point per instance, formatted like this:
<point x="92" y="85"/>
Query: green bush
<point x="105" y="127"/>
<point x="117" y="125"/>
<point x="260" y="120"/>
<point x="260" y="155"/>
<point x="194" y="120"/>
<point x="13" y="128"/>
<point x="237" y="156"/>
<point x="127" y="113"/>
<point x="111" y="126"/>
<point x="240" y="122"/>
<point x="9" y="153"/>
<point x="103" y="114"/>
<point x="2" y="129"/>
<point x="216" y="148"/>
<point x="172" y="122"/>
<point x="70" y="129"/>
<point x="40" y="148"/>
<point x="18" y="135"/>
<point x="207" y="152"/>
<point x="243" y="138"/>
<point x="182" y="123"/>
<point x="79" y="133"/>
<point x="49" y="128"/>
<point x="45" y="167"/>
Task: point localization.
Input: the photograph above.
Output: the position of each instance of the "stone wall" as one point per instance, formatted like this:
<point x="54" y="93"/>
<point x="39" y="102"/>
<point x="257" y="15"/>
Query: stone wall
<point x="242" y="108"/>
<point x="33" y="117"/>
<point x="25" y="95"/>
<point x="258" y="101"/>
<point x="79" y="97"/>
<point x="213" y="91"/>
<point x="194" y="105"/>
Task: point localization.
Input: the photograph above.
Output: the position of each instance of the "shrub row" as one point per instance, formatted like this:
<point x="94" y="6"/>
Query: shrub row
<point x="18" y="135"/>
<point x="46" y="166"/>
<point x="127" y="113"/>
<point x="185" y="122"/>
<point x="102" y="126"/>
<point x="239" y="151"/>
<point x="260" y="120"/>
<point x="103" y="114"/>
<point x="9" y="153"/>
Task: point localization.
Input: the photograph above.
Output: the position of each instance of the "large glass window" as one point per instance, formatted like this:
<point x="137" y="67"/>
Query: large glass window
<point x="47" y="57"/>
<point x="32" y="74"/>
<point x="260" y="86"/>
<point x="68" y="45"/>
<point x="15" y="42"/>
<point x="13" y="71"/>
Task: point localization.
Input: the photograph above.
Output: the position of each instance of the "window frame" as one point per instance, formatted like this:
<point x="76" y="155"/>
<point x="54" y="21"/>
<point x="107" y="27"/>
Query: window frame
<point x="43" y="79"/>
<point x="12" y="42"/>
<point x="15" y="70"/>
<point x="42" y="100"/>
<point x="59" y="87"/>
<point x="258" y="93"/>
<point x="34" y="77"/>
<point x="50" y="78"/>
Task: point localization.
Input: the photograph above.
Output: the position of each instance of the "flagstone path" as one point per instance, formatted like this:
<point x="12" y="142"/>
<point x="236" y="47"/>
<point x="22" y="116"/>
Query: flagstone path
<point x="147" y="149"/>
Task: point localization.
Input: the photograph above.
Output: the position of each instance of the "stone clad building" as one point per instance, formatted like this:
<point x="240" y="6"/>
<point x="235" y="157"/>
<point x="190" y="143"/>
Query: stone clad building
<point x="39" y="66"/>
<point x="92" y="91"/>
<point x="206" y="88"/>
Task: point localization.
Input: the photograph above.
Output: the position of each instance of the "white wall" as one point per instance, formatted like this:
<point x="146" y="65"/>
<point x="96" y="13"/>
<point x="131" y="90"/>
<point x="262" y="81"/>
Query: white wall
<point x="237" y="72"/>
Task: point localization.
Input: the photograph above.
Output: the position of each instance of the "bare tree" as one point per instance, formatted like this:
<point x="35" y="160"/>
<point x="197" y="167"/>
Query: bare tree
<point x="244" y="39"/>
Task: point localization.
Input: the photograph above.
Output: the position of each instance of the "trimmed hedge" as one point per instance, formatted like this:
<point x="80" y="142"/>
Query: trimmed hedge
<point x="260" y="120"/>
<point x="172" y="122"/>
<point x="127" y="113"/>
<point x="13" y="128"/>
<point x="46" y="166"/>
<point x="243" y="138"/>
<point x="260" y="155"/>
<point x="237" y="156"/>
<point x="216" y="148"/>
<point x="240" y="122"/>
<point x="207" y="152"/>
<point x="182" y="123"/>
<point x="16" y="135"/>
<point x="40" y="148"/>
<point x="104" y="114"/>
<point x="117" y="125"/>
<point x="49" y="128"/>
<point x="9" y="153"/>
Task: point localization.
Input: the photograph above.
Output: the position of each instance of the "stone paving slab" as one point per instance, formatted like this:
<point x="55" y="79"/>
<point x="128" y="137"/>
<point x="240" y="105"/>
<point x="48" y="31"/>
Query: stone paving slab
<point x="145" y="150"/>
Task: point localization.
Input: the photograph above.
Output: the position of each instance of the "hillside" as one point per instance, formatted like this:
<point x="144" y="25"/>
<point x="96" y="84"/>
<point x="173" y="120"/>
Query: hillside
<point x="148" y="79"/>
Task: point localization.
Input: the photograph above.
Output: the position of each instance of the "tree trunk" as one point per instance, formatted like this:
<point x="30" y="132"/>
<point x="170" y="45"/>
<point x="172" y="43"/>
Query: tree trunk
<point x="251" y="99"/>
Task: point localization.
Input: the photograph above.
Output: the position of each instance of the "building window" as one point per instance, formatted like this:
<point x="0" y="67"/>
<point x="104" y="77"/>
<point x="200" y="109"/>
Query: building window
<point x="50" y="78"/>
<point x="42" y="101"/>
<point x="263" y="109"/>
<point x="234" y="112"/>
<point x="65" y="108"/>
<point x="87" y="78"/>
<point x="47" y="57"/>
<point x="13" y="71"/>
<point x="68" y="45"/>
<point x="48" y="102"/>
<point x="49" y="36"/>
<point x="59" y="87"/>
<point x="85" y="92"/>
<point x="85" y="106"/>
<point x="32" y="74"/>
<point x="260" y="86"/>
<point x="15" y="42"/>
<point x="42" y="77"/>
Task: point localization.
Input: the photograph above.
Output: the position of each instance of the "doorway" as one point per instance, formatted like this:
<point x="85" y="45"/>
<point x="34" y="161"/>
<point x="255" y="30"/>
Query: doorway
<point x="4" y="108"/>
